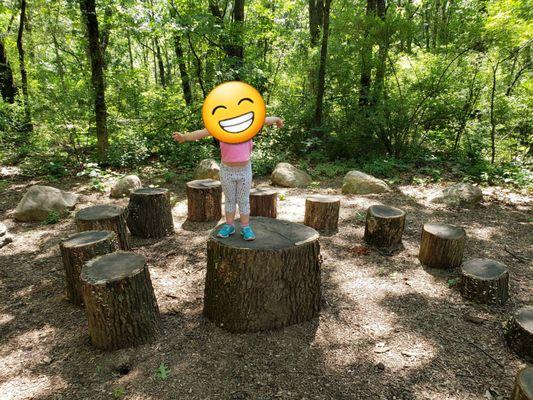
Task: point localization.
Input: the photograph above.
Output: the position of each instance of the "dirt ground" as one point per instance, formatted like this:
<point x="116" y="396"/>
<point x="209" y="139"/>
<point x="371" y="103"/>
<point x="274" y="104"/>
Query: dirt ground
<point x="388" y="328"/>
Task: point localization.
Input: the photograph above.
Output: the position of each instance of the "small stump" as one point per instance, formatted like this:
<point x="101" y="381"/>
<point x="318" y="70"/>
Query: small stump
<point x="322" y="213"/>
<point x="442" y="246"/>
<point x="384" y="227"/>
<point x="79" y="248"/>
<point x="150" y="213"/>
<point x="519" y="333"/>
<point x="204" y="200"/>
<point x="484" y="281"/>
<point x="523" y="385"/>
<point x="264" y="284"/>
<point x="263" y="202"/>
<point x="104" y="217"/>
<point x="119" y="300"/>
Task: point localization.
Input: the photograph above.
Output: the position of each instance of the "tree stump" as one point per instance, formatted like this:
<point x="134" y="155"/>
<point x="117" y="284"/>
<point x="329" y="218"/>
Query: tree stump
<point x="322" y="213"/>
<point x="523" y="385"/>
<point x="79" y="248"/>
<point x="119" y="300"/>
<point x="442" y="246"/>
<point x="264" y="202"/>
<point x="484" y="281"/>
<point x="105" y="217"/>
<point x="519" y="333"/>
<point x="150" y="213"/>
<point x="204" y="200"/>
<point x="265" y="284"/>
<point x="384" y="227"/>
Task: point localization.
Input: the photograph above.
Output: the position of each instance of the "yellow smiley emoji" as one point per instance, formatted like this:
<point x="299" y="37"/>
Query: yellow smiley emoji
<point x="234" y="112"/>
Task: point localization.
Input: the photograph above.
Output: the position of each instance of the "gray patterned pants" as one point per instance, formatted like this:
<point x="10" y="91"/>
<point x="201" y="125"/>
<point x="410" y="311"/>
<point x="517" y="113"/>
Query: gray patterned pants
<point x="236" y="184"/>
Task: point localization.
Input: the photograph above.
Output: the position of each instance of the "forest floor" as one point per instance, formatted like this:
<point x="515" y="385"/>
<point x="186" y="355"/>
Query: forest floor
<point x="388" y="328"/>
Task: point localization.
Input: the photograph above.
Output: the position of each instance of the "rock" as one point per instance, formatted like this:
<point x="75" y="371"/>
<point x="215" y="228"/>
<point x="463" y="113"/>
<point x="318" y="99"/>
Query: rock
<point x="124" y="186"/>
<point x="357" y="182"/>
<point x="287" y="175"/>
<point x="207" y="169"/>
<point x="459" y="195"/>
<point x="3" y="229"/>
<point x="39" y="201"/>
<point x="5" y="240"/>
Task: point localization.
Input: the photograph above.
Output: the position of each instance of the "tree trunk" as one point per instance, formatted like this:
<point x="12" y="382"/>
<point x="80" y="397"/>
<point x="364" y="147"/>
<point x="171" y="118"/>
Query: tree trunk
<point x="484" y="281"/>
<point x="384" y="227"/>
<point x="7" y="84"/>
<point x="184" y="75"/>
<point x="130" y="52"/>
<point x="322" y="213"/>
<point x="519" y="333"/>
<point x="381" y="67"/>
<point x="23" y="74"/>
<point x="204" y="200"/>
<point x="322" y="66"/>
<point x="263" y="202"/>
<point x="523" y="386"/>
<point x="160" y="63"/>
<point x="366" y="57"/>
<point x="104" y="217"/>
<point x="442" y="246"/>
<point x="265" y="284"/>
<point x="235" y="49"/>
<point x="150" y="213"/>
<point x="492" y="116"/>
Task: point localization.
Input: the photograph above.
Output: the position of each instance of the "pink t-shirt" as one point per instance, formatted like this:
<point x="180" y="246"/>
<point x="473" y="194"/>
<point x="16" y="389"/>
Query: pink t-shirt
<point x="236" y="152"/>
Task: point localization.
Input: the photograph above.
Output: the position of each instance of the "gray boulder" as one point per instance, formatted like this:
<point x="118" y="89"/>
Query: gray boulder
<point x="459" y="195"/>
<point x="5" y="238"/>
<point x="207" y="169"/>
<point x="124" y="186"/>
<point x="357" y="182"/>
<point x="287" y="175"/>
<point x="39" y="201"/>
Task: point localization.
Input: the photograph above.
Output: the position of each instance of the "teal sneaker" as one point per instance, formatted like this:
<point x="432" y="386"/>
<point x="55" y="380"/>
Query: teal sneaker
<point x="226" y="231"/>
<point x="247" y="233"/>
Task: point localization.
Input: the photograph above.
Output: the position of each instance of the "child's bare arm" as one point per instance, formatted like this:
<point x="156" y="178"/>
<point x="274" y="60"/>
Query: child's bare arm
<point x="190" y="136"/>
<point x="274" y="121"/>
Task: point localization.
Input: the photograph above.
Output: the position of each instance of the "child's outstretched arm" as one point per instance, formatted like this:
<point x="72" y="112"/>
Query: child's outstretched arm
<point x="274" y="121"/>
<point x="190" y="136"/>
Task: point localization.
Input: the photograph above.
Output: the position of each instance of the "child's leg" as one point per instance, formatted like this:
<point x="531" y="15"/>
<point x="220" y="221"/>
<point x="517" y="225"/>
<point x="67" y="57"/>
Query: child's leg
<point x="244" y="184"/>
<point x="229" y="187"/>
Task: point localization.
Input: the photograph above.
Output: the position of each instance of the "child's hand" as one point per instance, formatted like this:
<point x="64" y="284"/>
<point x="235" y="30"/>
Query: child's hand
<point x="179" y="137"/>
<point x="278" y="122"/>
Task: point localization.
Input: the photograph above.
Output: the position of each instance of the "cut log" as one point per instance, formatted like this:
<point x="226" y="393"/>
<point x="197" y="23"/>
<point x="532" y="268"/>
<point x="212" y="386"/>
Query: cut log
<point x="105" y="217"/>
<point x="384" y="227"/>
<point x="523" y="386"/>
<point x="265" y="284"/>
<point x="264" y="202"/>
<point x="442" y="246"/>
<point x="484" y="281"/>
<point x="519" y="333"/>
<point x="119" y="301"/>
<point x="322" y="213"/>
<point x="150" y="213"/>
<point x="80" y="248"/>
<point x="204" y="200"/>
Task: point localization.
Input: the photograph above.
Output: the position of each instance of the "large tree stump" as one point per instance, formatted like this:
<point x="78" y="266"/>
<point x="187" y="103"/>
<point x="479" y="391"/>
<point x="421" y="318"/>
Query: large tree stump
<point x="79" y="248"/>
<point x="519" y="333"/>
<point x="523" y="386"/>
<point x="150" y="213"/>
<point x="105" y="217"/>
<point x="264" y="284"/>
<point x="484" y="281"/>
<point x="322" y="213"/>
<point x="442" y="246"/>
<point x="384" y="227"/>
<point x="119" y="300"/>
<point x="204" y="200"/>
<point x="263" y="202"/>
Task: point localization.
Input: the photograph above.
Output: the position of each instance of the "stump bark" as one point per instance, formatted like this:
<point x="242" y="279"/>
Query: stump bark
<point x="80" y="248"/>
<point x="119" y="300"/>
<point x="523" y="386"/>
<point x="484" y="281"/>
<point x="204" y="200"/>
<point x="264" y="202"/>
<point x="384" y="227"/>
<point x="150" y="213"/>
<point x="322" y="213"/>
<point x="442" y="246"/>
<point x="519" y="333"/>
<point x="105" y="217"/>
<point x="265" y="284"/>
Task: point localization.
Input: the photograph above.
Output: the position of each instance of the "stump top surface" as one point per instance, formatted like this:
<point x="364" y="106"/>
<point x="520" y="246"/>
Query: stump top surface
<point x="383" y="211"/>
<point x="320" y="198"/>
<point x="149" y="191"/>
<point x="203" y="184"/>
<point x="445" y="231"/>
<point x="86" y="238"/>
<point x="484" y="268"/>
<point x="101" y="211"/>
<point x="525" y="377"/>
<point x="524" y="317"/>
<point x="271" y="234"/>
<point x="262" y="191"/>
<point x="112" y="267"/>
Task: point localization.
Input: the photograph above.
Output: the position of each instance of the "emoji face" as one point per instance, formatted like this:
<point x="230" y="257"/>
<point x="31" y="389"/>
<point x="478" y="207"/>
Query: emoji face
<point x="234" y="112"/>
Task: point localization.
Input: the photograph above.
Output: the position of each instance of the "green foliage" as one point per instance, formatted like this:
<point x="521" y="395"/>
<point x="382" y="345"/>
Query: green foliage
<point x="52" y="218"/>
<point x="162" y="372"/>
<point x="119" y="392"/>
<point x="96" y="176"/>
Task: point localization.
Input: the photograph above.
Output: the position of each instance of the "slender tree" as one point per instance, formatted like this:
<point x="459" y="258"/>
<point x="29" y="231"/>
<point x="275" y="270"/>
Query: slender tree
<point x="7" y="84"/>
<point x="322" y="65"/>
<point x="22" y="64"/>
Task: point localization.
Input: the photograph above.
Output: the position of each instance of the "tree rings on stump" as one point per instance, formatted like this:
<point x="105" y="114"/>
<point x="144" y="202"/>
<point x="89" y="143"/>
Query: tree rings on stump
<point x="322" y="213"/>
<point x="384" y="227"/>
<point x="523" y="386"/>
<point x="263" y="202"/>
<point x="150" y="213"/>
<point x="264" y="284"/>
<point x="484" y="281"/>
<point x="79" y="248"/>
<point x="519" y="333"/>
<point x="119" y="300"/>
<point x="104" y="217"/>
<point x="204" y="200"/>
<point x="442" y="246"/>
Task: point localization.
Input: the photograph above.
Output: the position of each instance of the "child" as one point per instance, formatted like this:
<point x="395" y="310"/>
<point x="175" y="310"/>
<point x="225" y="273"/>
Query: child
<point x="235" y="177"/>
